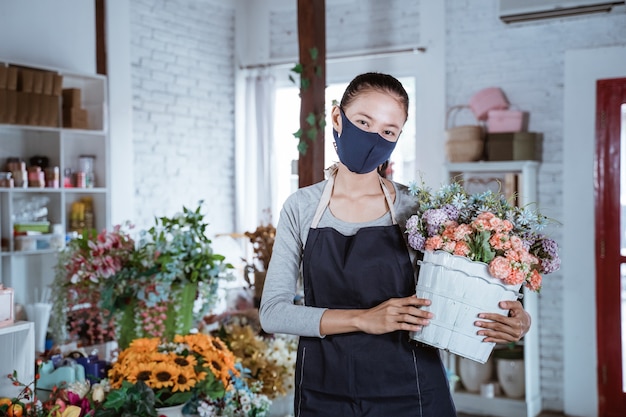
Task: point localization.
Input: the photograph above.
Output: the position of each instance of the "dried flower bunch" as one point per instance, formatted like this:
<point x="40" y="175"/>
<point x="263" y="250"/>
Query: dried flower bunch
<point x="486" y="228"/>
<point x="262" y="240"/>
<point x="270" y="360"/>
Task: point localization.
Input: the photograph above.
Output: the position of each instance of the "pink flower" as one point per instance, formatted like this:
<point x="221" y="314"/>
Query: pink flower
<point x="449" y="246"/>
<point x="534" y="282"/>
<point x="462" y="231"/>
<point x="516" y="277"/>
<point x="462" y="249"/>
<point x="499" y="241"/>
<point x="500" y="267"/>
<point x="433" y="243"/>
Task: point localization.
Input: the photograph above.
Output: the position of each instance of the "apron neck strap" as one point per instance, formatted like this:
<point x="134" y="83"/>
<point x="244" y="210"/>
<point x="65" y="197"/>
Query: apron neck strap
<point x="328" y="191"/>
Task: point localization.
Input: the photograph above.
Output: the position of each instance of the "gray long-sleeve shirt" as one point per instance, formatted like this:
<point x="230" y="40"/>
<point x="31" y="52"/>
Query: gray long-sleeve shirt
<point x="278" y="313"/>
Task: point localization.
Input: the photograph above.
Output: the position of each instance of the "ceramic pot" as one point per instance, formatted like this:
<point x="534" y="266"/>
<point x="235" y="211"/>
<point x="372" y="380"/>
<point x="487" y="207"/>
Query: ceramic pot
<point x="511" y="376"/>
<point x="282" y="405"/>
<point x="173" y="411"/>
<point x="473" y="374"/>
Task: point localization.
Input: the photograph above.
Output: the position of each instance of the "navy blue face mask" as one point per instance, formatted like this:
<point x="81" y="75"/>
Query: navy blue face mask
<point x="360" y="151"/>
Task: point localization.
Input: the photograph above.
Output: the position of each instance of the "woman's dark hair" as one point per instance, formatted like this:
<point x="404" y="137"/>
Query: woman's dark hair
<point x="375" y="81"/>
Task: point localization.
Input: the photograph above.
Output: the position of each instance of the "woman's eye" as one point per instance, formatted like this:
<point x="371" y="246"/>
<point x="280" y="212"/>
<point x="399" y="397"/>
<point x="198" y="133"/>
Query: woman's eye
<point x="362" y="123"/>
<point x="389" y="133"/>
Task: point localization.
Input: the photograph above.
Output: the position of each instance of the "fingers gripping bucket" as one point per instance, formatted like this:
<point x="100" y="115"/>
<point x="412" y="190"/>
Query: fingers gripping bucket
<point x="459" y="289"/>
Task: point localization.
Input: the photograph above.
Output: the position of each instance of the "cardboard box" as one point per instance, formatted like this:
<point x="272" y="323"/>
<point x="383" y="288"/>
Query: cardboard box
<point x="75" y="118"/>
<point x="57" y="85"/>
<point x="37" y="82"/>
<point x="48" y="82"/>
<point x="7" y="306"/>
<point x="71" y="98"/>
<point x="11" y="107"/>
<point x="11" y="78"/>
<point x="515" y="146"/>
<point x="3" y="106"/>
<point x="3" y="77"/>
<point x="34" y="108"/>
<point x="25" y="80"/>
<point x="21" y="116"/>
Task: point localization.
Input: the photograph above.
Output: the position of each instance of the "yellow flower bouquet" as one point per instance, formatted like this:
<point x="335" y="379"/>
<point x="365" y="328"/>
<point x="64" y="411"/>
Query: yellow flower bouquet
<point x="191" y="365"/>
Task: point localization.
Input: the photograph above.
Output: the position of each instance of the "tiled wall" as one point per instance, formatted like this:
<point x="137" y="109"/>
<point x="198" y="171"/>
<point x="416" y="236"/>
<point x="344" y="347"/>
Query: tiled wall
<point x="183" y="108"/>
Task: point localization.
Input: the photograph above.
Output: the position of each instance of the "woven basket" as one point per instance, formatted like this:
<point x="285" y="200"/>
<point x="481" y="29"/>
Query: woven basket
<point x="459" y="289"/>
<point x="463" y="143"/>
<point x="465" y="150"/>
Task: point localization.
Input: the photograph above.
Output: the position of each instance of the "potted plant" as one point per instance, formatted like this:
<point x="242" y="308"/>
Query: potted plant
<point x="176" y="370"/>
<point x="158" y="286"/>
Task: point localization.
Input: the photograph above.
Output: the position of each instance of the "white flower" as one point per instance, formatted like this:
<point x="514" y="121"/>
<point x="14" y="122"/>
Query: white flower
<point x="98" y="393"/>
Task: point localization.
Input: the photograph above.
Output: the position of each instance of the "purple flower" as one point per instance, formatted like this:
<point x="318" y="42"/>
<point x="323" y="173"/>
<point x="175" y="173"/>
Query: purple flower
<point x="451" y="211"/>
<point x="434" y="219"/>
<point x="416" y="241"/>
<point x="550" y="265"/>
<point x="550" y="247"/>
<point x="412" y="223"/>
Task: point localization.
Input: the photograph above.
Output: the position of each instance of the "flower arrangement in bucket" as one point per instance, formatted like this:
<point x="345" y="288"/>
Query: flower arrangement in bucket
<point x="195" y="364"/>
<point x="478" y="250"/>
<point x="110" y="286"/>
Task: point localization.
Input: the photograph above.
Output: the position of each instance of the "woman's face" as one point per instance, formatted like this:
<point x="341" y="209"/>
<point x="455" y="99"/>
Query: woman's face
<point x="374" y="111"/>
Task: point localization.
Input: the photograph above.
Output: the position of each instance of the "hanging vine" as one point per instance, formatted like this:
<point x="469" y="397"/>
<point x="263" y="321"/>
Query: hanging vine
<point x="315" y="122"/>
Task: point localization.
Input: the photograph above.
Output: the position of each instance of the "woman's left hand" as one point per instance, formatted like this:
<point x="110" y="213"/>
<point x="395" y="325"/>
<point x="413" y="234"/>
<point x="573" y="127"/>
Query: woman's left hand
<point x="504" y="329"/>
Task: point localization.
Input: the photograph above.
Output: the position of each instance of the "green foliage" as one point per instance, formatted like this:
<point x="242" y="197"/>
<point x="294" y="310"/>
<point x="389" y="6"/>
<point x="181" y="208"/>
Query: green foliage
<point x="130" y="400"/>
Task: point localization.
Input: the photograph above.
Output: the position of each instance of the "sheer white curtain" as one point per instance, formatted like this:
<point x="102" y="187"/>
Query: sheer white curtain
<point x="255" y="159"/>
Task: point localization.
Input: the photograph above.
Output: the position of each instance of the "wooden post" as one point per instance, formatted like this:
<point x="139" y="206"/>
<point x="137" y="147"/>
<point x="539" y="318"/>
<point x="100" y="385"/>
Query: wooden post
<point x="101" y="50"/>
<point x="312" y="44"/>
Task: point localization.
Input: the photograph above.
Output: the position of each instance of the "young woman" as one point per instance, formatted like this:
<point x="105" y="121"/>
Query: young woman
<point x="345" y="236"/>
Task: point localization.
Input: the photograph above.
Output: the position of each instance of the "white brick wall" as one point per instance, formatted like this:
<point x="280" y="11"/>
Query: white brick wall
<point x="183" y="89"/>
<point x="183" y="109"/>
<point x="526" y="61"/>
<point x="351" y="26"/>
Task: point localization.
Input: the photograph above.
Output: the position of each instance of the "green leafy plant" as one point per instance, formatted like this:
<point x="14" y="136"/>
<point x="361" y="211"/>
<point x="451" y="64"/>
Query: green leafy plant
<point x="160" y="285"/>
<point x="315" y="122"/>
<point x="129" y="400"/>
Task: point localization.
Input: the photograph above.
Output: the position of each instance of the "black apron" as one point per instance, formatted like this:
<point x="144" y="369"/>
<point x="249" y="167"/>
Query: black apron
<point x="358" y="374"/>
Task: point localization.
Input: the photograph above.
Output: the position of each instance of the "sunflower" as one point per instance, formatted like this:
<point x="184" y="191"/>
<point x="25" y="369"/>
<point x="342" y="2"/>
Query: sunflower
<point x="144" y="345"/>
<point x="185" y="381"/>
<point x="188" y="361"/>
<point x="163" y="375"/>
<point x="139" y="372"/>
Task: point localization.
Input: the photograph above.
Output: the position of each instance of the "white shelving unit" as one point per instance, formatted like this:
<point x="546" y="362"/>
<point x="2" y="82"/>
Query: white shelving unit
<point x="28" y="271"/>
<point x="530" y="405"/>
<point x="17" y="350"/>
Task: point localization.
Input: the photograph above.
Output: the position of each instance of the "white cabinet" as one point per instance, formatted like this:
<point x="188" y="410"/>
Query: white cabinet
<point x="530" y="405"/>
<point x="17" y="350"/>
<point x="28" y="265"/>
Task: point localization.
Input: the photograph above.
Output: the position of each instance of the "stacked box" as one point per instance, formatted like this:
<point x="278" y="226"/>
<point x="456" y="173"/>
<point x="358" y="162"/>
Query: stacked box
<point x="28" y="96"/>
<point x="74" y="116"/>
<point x="514" y="146"/>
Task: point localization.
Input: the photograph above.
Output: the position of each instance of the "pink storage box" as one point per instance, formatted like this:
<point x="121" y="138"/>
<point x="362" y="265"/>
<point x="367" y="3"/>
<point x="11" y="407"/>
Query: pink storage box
<point x="491" y="98"/>
<point x="7" y="314"/>
<point x="503" y="121"/>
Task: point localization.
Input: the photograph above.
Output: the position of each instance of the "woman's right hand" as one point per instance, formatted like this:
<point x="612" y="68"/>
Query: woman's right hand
<point x="389" y="316"/>
<point x="395" y="314"/>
